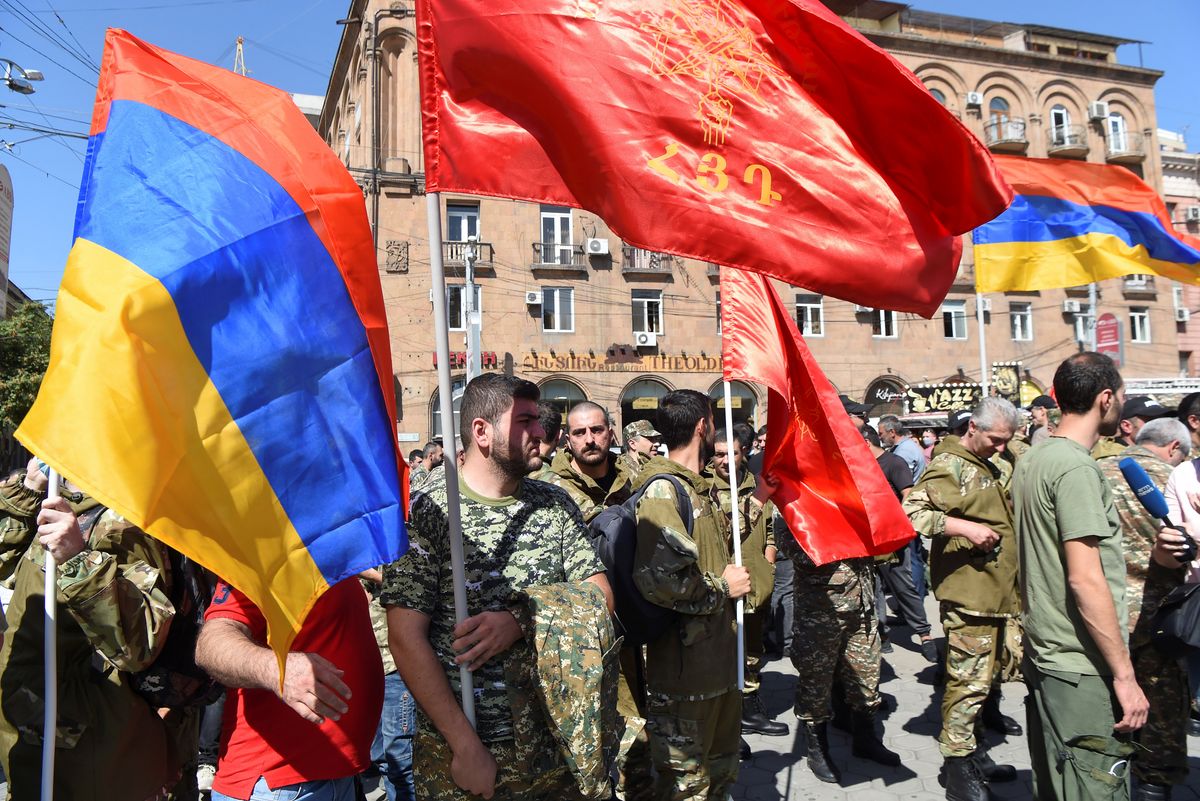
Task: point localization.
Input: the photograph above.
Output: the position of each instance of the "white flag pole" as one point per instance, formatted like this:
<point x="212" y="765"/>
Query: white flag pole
<point x="737" y="533"/>
<point x="450" y="462"/>
<point x="983" y="365"/>
<point x="50" y="691"/>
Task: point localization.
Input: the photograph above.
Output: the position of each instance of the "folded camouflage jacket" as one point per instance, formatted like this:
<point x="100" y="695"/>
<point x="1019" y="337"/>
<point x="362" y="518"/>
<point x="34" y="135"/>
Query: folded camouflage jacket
<point x="572" y="682"/>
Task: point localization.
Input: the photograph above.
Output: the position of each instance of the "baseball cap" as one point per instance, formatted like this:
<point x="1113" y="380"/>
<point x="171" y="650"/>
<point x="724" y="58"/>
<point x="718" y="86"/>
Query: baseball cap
<point x="958" y="419"/>
<point x="1043" y="402"/>
<point x="1143" y="406"/>
<point x="853" y="408"/>
<point x="640" y="428"/>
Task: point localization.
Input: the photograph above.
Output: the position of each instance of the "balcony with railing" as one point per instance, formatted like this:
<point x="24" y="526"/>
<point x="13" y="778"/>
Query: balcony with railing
<point x="1067" y="141"/>
<point x="637" y="261"/>
<point x="1006" y="135"/>
<point x="551" y="256"/>
<point x="1124" y="148"/>
<point x="1140" y="285"/>
<point x="454" y="256"/>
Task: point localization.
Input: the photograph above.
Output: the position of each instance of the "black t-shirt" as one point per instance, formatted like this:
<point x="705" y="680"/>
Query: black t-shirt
<point x="606" y="481"/>
<point x="897" y="472"/>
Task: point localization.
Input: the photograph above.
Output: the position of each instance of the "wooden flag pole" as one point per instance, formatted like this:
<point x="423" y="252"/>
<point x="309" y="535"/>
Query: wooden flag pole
<point x="450" y="461"/>
<point x="50" y="691"/>
<point x="737" y="533"/>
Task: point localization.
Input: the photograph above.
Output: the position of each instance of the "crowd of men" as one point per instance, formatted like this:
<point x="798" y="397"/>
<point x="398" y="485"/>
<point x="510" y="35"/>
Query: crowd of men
<point x="1047" y="569"/>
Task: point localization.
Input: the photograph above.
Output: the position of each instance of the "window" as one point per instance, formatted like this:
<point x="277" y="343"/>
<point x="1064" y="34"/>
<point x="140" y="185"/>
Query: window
<point x="718" y="311"/>
<point x="810" y="315"/>
<point x="462" y="221"/>
<point x="457" y="314"/>
<point x="1060" y="126"/>
<point x="998" y="109"/>
<point x="647" y="311"/>
<point x="456" y="393"/>
<point x="1139" y="324"/>
<point x="556" y="235"/>
<point x="883" y="324"/>
<point x="558" y="309"/>
<point x="1082" y="333"/>
<point x="1020" y="316"/>
<point x="1177" y="296"/>
<point x="938" y="95"/>
<point x="1118" y="133"/>
<point x="954" y="319"/>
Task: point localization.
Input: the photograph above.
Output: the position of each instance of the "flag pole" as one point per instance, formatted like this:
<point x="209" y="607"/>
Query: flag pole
<point x="983" y="365"/>
<point x="433" y="207"/>
<point x="50" y="690"/>
<point x="737" y="532"/>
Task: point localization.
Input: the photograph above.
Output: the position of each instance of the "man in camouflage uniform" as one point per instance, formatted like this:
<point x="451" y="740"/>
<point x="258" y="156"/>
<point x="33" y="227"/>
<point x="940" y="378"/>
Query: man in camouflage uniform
<point x="694" y="707"/>
<point x="1135" y="413"/>
<point x="551" y="419"/>
<point x="392" y="748"/>
<point x="961" y="503"/>
<point x="641" y="444"/>
<point x="1161" y="445"/>
<point x="517" y="533"/>
<point x="595" y="478"/>
<point x="758" y="555"/>
<point x="114" y="589"/>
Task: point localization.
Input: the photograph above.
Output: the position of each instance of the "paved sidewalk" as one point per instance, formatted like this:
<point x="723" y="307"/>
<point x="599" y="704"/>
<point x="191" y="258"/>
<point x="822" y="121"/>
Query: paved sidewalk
<point x="912" y="720"/>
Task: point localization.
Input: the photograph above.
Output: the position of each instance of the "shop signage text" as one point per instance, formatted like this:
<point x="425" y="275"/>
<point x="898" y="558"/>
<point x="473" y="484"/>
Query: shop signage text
<point x="583" y="363"/>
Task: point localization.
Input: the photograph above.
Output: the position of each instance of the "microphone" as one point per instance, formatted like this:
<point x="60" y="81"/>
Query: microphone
<point x="1153" y="501"/>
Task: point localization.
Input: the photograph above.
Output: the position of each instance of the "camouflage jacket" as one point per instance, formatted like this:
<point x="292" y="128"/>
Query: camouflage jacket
<point x="633" y="462"/>
<point x="417" y="478"/>
<point x="696" y="657"/>
<point x="1107" y="447"/>
<point x="535" y="537"/>
<point x="571" y="682"/>
<point x="757" y="534"/>
<point x="589" y="496"/>
<point x="114" y="615"/>
<point x="1146" y="582"/>
<point x="957" y="483"/>
<point x="379" y="623"/>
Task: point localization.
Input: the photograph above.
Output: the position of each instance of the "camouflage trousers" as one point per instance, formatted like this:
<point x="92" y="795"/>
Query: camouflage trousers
<point x="835" y="635"/>
<point x="635" y="772"/>
<point x="1162" y="676"/>
<point x="526" y="771"/>
<point x="973" y="647"/>
<point x="694" y="745"/>
<point x="753" y="625"/>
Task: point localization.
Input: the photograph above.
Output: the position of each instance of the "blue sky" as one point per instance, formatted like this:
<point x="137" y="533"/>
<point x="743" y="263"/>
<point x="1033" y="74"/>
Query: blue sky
<point x="291" y="43"/>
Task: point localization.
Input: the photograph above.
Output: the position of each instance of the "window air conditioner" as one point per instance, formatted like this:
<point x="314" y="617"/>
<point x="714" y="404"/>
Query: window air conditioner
<point x="1071" y="307"/>
<point x="533" y="298"/>
<point x="597" y="247"/>
<point x="985" y="305"/>
<point x="1182" y="315"/>
<point x="1192" y="214"/>
<point x="863" y="309"/>
<point x="645" y="339"/>
<point x="1098" y="110"/>
<point x="974" y="99"/>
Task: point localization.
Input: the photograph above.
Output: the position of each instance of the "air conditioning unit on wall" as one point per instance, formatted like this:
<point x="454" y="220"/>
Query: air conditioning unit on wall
<point x="1098" y="110"/>
<point x="1191" y="214"/>
<point x="645" y="339"/>
<point x="985" y="305"/>
<point x="597" y="247"/>
<point x="1071" y="307"/>
<point x="974" y="99"/>
<point x="533" y="298"/>
<point x="1182" y="315"/>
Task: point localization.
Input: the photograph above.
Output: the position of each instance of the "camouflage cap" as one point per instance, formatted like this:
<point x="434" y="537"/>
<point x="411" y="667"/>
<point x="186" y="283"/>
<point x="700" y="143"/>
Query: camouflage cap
<point x="640" y="428"/>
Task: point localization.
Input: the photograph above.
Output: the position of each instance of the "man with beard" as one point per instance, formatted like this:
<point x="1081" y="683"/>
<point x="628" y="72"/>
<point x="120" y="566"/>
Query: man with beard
<point x="517" y="533"/>
<point x="551" y="419"/>
<point x="694" y="709"/>
<point x="1084" y="697"/>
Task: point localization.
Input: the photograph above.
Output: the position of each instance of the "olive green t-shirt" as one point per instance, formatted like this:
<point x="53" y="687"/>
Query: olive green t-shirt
<point x="1059" y="494"/>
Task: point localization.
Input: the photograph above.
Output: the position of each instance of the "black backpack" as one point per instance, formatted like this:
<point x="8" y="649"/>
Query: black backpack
<point x="614" y="536"/>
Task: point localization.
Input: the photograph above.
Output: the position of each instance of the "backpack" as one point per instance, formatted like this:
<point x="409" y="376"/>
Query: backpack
<point x="614" y="537"/>
<point x="174" y="680"/>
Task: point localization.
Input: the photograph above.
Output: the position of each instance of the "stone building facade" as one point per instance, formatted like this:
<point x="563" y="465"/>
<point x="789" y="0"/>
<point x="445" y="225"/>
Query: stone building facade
<point x="563" y="302"/>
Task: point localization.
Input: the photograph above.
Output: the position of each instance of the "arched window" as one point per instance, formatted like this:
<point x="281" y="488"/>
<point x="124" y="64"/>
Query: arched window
<point x="1118" y="133"/>
<point x="998" y="109"/>
<point x="744" y="402"/>
<point x="1060" y="125"/>
<point x="938" y="95"/>
<point x="640" y="399"/>
<point x="562" y="395"/>
<point x="456" y="392"/>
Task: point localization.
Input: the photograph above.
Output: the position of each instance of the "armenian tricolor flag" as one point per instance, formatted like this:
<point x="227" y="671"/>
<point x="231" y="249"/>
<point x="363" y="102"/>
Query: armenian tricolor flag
<point x="1073" y="223"/>
<point x="220" y="371"/>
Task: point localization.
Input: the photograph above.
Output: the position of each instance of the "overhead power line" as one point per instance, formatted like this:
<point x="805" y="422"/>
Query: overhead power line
<point x="60" y="65"/>
<point x="25" y="15"/>
<point x="153" y="6"/>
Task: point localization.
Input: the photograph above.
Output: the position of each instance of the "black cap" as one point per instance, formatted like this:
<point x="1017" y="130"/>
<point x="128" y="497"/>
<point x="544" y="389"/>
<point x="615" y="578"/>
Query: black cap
<point x="957" y="420"/>
<point x="1145" y="407"/>
<point x="853" y="408"/>
<point x="1043" y="402"/>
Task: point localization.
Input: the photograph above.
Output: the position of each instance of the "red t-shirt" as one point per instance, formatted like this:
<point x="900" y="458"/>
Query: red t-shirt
<point x="262" y="736"/>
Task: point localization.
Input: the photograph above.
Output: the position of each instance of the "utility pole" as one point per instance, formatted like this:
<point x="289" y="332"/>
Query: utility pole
<point x="239" y="57"/>
<point x="1091" y="317"/>
<point x="474" y="357"/>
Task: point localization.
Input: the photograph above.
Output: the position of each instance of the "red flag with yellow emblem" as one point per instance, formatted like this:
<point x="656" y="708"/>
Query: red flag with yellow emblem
<point x="764" y="134"/>
<point x="831" y="490"/>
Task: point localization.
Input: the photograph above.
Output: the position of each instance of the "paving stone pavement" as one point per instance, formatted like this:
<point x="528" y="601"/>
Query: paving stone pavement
<point x="912" y="719"/>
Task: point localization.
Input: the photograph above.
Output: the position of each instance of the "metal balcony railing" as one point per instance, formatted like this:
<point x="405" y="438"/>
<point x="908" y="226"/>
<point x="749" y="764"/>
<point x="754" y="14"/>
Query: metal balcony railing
<point x="1138" y="284"/>
<point x="1124" y="147"/>
<point x="1006" y="134"/>
<point x="456" y="253"/>
<point x="553" y="256"/>
<point x="1067" y="140"/>
<point x="637" y="260"/>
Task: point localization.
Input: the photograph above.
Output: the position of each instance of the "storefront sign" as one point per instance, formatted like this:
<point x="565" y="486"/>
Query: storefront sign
<point x="1006" y="381"/>
<point x="644" y="403"/>
<point x="942" y="397"/>
<point x="458" y="360"/>
<point x="583" y="363"/>
<point x="1108" y="337"/>
<point x="737" y="403"/>
<point x="884" y="391"/>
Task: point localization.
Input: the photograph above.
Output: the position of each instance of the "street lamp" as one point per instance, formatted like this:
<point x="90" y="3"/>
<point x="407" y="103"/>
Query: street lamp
<point x="20" y="82"/>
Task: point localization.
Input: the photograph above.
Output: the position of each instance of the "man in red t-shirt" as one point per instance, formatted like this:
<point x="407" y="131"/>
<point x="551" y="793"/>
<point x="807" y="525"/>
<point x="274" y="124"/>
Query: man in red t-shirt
<point x="315" y="736"/>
